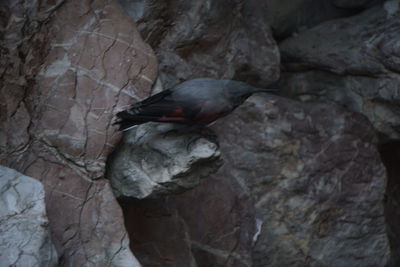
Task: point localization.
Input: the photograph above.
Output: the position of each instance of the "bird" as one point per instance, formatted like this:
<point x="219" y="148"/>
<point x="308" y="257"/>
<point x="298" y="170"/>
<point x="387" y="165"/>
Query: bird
<point x="194" y="103"/>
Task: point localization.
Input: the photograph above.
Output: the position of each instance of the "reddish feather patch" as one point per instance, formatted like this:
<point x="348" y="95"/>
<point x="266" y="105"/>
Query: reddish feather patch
<point x="171" y="119"/>
<point x="176" y="112"/>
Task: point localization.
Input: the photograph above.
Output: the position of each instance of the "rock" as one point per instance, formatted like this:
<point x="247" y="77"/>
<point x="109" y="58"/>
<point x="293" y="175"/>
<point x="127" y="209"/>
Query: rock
<point x="301" y="184"/>
<point x="302" y="164"/>
<point x="159" y="233"/>
<point x="210" y="225"/>
<point x="83" y="62"/>
<point x="150" y="162"/>
<point x="352" y="61"/>
<point x="219" y="39"/>
<point x="221" y="228"/>
<point x="290" y="17"/>
<point x="24" y="233"/>
<point x="22" y="48"/>
<point x="355" y="3"/>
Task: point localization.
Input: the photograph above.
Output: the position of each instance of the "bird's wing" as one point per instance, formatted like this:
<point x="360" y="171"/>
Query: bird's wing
<point x="162" y="107"/>
<point x="152" y="99"/>
<point x="213" y="109"/>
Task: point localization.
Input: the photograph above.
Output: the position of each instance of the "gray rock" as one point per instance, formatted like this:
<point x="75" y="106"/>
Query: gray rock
<point x="354" y="3"/>
<point x="317" y="180"/>
<point x="352" y="61"/>
<point x="301" y="185"/>
<point x="220" y="39"/>
<point x="66" y="69"/>
<point x="290" y="17"/>
<point x="151" y="162"/>
<point x="24" y="233"/>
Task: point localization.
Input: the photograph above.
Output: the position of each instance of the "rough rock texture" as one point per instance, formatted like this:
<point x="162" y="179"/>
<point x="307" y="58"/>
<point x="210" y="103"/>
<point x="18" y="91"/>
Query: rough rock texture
<point x="152" y="161"/>
<point x="352" y="61"/>
<point x="63" y="77"/>
<point x="354" y="3"/>
<point x="210" y="225"/>
<point x="303" y="183"/>
<point x="157" y="233"/>
<point x="355" y="62"/>
<point x="317" y="205"/>
<point x="291" y="16"/>
<point x="221" y="39"/>
<point x="25" y="238"/>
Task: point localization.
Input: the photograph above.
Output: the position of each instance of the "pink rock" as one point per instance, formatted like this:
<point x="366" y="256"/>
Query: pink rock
<point x="87" y="62"/>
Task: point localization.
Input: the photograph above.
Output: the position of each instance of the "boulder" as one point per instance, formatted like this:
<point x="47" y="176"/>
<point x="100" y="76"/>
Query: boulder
<point x="288" y="18"/>
<point x="302" y="164"/>
<point x="24" y="227"/>
<point x="301" y="184"/>
<point x="152" y="161"/>
<point x="351" y="61"/>
<point x="220" y="39"/>
<point x="66" y="73"/>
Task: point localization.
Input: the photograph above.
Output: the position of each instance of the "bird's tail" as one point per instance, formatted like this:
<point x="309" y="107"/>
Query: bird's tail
<point x="129" y="118"/>
<point x="126" y="120"/>
<point x="125" y="125"/>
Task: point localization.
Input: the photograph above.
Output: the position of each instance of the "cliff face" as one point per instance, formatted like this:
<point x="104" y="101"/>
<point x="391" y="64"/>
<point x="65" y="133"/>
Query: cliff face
<point x="304" y="174"/>
<point x="61" y="84"/>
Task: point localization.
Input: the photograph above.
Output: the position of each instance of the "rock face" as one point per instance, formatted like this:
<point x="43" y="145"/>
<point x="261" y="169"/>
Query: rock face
<point x="220" y="39"/>
<point x="352" y="61"/>
<point x="61" y="85"/>
<point x="25" y="238"/>
<point x="290" y="192"/>
<point x="355" y="62"/>
<point x="302" y="183"/>
<point x="152" y="161"/>
<point x="210" y="225"/>
<point x="288" y="17"/>
<point x="316" y="206"/>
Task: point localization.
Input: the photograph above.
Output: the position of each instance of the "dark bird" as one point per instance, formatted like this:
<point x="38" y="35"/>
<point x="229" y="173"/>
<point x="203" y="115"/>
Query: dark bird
<point x="195" y="103"/>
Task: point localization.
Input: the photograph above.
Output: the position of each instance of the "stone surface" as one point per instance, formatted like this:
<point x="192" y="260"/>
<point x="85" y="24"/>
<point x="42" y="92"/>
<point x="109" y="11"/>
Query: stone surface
<point x="354" y="3"/>
<point x="352" y="61"/>
<point x="302" y="164"/>
<point x="24" y="233"/>
<point x="220" y="39"/>
<point x="157" y="233"/>
<point x="302" y="184"/>
<point x="64" y="77"/>
<point x="210" y="225"/>
<point x="287" y="17"/>
<point x="152" y="161"/>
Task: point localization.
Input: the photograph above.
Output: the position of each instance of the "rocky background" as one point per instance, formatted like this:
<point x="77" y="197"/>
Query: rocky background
<point x="306" y="178"/>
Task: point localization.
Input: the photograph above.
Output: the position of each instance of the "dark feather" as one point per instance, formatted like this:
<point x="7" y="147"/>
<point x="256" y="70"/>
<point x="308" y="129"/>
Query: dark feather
<point x="159" y="107"/>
